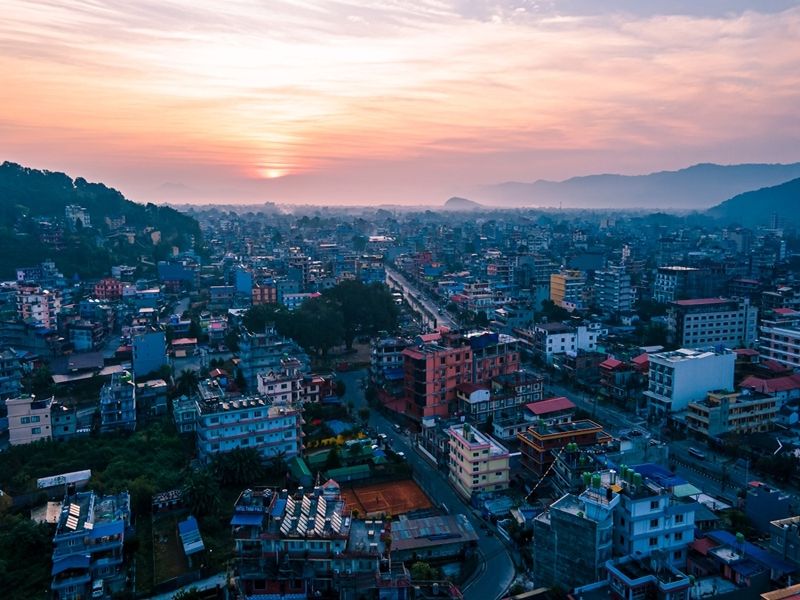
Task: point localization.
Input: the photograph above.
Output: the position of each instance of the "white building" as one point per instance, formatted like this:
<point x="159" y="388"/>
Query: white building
<point x="477" y="462"/>
<point x="28" y="420"/>
<point x="39" y="305"/>
<point x="550" y="339"/>
<point x="711" y="322"/>
<point x="683" y="376"/>
<point x="74" y="214"/>
<point x="613" y="292"/>
<point x="780" y="343"/>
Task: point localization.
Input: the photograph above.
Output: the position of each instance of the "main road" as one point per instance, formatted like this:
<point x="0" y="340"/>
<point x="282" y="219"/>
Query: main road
<point x="419" y="301"/>
<point x="496" y="571"/>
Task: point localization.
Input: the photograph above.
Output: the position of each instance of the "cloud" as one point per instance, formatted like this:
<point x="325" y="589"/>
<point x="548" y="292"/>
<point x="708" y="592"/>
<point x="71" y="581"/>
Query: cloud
<point x="220" y="93"/>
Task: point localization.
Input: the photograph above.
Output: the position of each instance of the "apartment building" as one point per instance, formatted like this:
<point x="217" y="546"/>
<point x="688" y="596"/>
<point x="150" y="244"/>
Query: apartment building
<point x="477" y="462"/>
<point x="10" y="374"/>
<point x="263" y="352"/>
<point x="493" y="354"/>
<point x="568" y="288"/>
<point x="109" y="289"/>
<point x="677" y="378"/>
<point x="431" y="375"/>
<point x="28" y="420"/>
<point x="613" y="292"/>
<point x="550" y="339"/>
<point x="38" y="305"/>
<point x="781" y="343"/>
<point x="149" y="352"/>
<point x="118" y="403"/>
<point x="712" y="322"/>
<point x="88" y="557"/>
<point x="224" y="424"/>
<point x="386" y="364"/>
<point x="726" y="412"/>
<point x="676" y="283"/>
<point x="540" y="443"/>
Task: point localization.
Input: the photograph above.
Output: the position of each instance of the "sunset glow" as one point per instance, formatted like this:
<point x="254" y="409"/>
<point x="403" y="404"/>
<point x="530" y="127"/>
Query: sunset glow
<point x="394" y="101"/>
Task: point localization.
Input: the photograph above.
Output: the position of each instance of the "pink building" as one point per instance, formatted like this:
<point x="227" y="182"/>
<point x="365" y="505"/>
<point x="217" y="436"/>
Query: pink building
<point x="108" y="289"/>
<point x="431" y="375"/>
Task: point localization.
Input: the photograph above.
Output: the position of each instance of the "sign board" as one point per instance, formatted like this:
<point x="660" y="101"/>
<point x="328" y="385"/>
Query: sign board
<point x="63" y="479"/>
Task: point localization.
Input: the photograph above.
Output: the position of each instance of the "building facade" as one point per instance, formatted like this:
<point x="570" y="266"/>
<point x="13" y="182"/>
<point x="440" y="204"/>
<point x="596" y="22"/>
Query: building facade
<point x="118" y="403"/>
<point x="28" y="420"/>
<point x="712" y="322"/>
<point x="477" y="462"/>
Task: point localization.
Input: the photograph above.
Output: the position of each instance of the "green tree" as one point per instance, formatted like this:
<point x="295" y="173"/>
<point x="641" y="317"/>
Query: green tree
<point x="201" y="492"/>
<point x="422" y="571"/>
<point x="232" y="340"/>
<point x="187" y="382"/>
<point x="363" y="414"/>
<point x="241" y="466"/>
<point x="39" y="382"/>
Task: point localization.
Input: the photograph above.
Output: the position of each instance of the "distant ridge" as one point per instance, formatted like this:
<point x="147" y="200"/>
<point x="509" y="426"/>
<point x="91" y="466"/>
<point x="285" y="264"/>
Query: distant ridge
<point x="697" y="187"/>
<point x="758" y="207"/>
<point x="456" y="203"/>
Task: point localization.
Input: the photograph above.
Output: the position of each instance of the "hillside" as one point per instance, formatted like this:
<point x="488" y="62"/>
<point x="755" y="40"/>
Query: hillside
<point x="32" y="224"/>
<point x="695" y="188"/>
<point x="456" y="203"/>
<point x="758" y="206"/>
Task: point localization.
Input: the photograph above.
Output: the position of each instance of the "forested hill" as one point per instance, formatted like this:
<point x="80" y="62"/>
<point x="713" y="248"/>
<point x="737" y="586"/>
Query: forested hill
<point x="33" y="225"/>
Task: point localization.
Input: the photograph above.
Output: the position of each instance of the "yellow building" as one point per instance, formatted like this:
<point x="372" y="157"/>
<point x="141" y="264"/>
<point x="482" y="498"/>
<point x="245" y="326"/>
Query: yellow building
<point x="477" y="462"/>
<point x="28" y="420"/>
<point x="567" y="289"/>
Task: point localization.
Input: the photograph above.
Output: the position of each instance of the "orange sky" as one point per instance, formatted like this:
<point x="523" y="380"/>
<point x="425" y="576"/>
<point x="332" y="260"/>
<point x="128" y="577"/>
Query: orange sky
<point x="390" y="101"/>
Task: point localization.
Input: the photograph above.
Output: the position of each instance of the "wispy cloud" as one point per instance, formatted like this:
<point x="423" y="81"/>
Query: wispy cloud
<point x="228" y="94"/>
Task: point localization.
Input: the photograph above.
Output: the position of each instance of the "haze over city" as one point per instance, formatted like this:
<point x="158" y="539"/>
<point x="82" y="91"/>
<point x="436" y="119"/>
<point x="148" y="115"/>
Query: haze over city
<point x="391" y="102"/>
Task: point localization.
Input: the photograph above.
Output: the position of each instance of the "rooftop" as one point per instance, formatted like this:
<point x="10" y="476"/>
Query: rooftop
<point x="551" y="405"/>
<point x="410" y="534"/>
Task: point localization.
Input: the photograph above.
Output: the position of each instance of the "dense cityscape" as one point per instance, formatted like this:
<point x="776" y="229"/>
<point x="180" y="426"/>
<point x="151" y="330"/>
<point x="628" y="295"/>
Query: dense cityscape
<point x="393" y="403"/>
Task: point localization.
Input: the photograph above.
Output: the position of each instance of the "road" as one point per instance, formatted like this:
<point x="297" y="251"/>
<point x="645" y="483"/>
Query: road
<point x="611" y="418"/>
<point x="432" y="314"/>
<point x="496" y="572"/>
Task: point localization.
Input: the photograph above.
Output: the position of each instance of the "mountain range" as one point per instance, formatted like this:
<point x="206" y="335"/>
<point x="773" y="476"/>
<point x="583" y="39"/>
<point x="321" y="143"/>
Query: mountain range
<point x="698" y="187"/>
<point x="758" y="207"/>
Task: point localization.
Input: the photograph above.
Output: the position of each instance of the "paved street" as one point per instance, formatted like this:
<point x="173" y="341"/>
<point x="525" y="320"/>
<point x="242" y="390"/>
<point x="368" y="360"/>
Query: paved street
<point x="497" y="571"/>
<point x="416" y="298"/>
<point x="612" y="418"/>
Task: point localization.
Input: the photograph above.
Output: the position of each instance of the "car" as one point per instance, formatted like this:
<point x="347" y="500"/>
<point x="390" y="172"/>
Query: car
<point x="397" y="427"/>
<point x="382" y="437"/>
<point x="401" y="455"/>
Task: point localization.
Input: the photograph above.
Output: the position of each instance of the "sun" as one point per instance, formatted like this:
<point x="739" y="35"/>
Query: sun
<point x="272" y="172"/>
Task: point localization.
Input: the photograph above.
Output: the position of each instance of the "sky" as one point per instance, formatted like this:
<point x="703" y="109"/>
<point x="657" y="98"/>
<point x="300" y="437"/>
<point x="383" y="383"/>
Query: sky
<point x="390" y="101"/>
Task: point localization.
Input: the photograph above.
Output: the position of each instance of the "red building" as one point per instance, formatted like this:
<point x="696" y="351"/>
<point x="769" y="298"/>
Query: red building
<point x="108" y="289"/>
<point x="431" y="375"/>
<point x="265" y="294"/>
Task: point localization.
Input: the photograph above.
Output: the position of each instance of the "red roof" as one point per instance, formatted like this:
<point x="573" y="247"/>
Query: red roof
<point x="771" y="386"/>
<point x="774" y="366"/>
<point x="746" y="352"/>
<point x="700" y="301"/>
<point x="785" y="311"/>
<point x="550" y="405"/>
<point x="184" y="342"/>
<point x="703" y="545"/>
<point x="610" y="363"/>
<point x="642" y="359"/>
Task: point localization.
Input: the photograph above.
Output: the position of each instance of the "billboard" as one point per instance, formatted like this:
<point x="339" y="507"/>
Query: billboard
<point x="63" y="479"/>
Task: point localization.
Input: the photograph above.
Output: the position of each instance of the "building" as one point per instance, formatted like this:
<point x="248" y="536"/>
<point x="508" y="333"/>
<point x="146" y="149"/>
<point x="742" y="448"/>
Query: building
<point x="263" y="352"/>
<point x="677" y="378"/>
<point x="493" y="354"/>
<point x="77" y="214"/>
<point x="225" y="424"/>
<point x="764" y="504"/>
<point x="38" y="305"/>
<point x="540" y="443"/>
<point x="149" y="353"/>
<point x="151" y="397"/>
<point x="109" y="289"/>
<point x="567" y="289"/>
<point x="613" y="293"/>
<point x="551" y="339"/>
<point x="727" y="412"/>
<point x="88" y="558"/>
<point x="784" y="539"/>
<point x="386" y="364"/>
<point x="431" y="374"/>
<point x="10" y="374"/>
<point x="780" y="343"/>
<point x="573" y="538"/>
<point x="441" y="538"/>
<point x="64" y="421"/>
<point x="618" y="379"/>
<point x="118" y="403"/>
<point x="678" y="283"/>
<point x="477" y="462"/>
<point x="631" y="577"/>
<point x="85" y="336"/>
<point x="266" y="293"/>
<point x="706" y="322"/>
<point x="28" y="420"/>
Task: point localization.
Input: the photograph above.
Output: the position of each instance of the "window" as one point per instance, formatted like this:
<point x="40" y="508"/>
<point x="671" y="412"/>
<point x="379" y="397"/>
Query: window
<point x="679" y="518"/>
<point x="35" y="430"/>
<point x="678" y="555"/>
<point x="678" y="536"/>
<point x="35" y="419"/>
<point x="25" y="420"/>
<point x="653" y="523"/>
<point x="653" y="542"/>
<point x="654" y="505"/>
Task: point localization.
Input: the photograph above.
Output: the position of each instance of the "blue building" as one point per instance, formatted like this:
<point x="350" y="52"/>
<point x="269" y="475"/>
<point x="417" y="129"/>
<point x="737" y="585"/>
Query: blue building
<point x="87" y="546"/>
<point x="118" y="403"/>
<point x="149" y="353"/>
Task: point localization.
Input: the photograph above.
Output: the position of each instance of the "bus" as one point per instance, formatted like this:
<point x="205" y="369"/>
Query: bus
<point x="697" y="454"/>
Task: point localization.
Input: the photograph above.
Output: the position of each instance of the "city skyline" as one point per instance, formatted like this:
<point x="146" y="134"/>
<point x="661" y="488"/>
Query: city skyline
<point x="399" y="102"/>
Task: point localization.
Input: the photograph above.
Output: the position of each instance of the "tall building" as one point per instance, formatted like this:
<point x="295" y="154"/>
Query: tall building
<point x="477" y="462"/>
<point x="573" y="538"/>
<point x="742" y="412"/>
<point x="550" y="339"/>
<point x="88" y="557"/>
<point x="39" y="305"/>
<point x="263" y="352"/>
<point x="28" y="420"/>
<point x="613" y="292"/>
<point x="567" y="289"/>
<point x="431" y="375"/>
<point x="118" y="403"/>
<point x="779" y="339"/>
<point x="683" y="376"/>
<point x="108" y="288"/>
<point x="10" y="374"/>
<point x="541" y="442"/>
<point x="149" y="353"/>
<point x="712" y="322"/>
<point x="676" y="283"/>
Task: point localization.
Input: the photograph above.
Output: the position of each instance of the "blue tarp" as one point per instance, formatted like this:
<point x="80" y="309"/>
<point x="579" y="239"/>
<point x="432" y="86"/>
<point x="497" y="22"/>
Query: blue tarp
<point x="74" y="561"/>
<point x="253" y="519"/>
<point x="190" y="536"/>
<point x="110" y="528"/>
<point x="393" y="374"/>
<point x="278" y="507"/>
<point x="338" y="427"/>
<point x="659" y="474"/>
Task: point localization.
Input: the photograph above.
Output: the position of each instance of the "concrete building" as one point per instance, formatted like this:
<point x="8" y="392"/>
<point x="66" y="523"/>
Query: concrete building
<point x="28" y="420"/>
<point x="386" y="364"/>
<point x="77" y="214"/>
<point x="263" y="352"/>
<point x="448" y="537"/>
<point x="683" y="376"/>
<point x="109" y="289"/>
<point x="493" y="354"/>
<point x="225" y="424"/>
<point x="784" y="539"/>
<point x="149" y="353"/>
<point x="631" y="577"/>
<point x="541" y="442"/>
<point x="477" y="462"/>
<point x="780" y="343"/>
<point x="431" y="375"/>
<point x="118" y="403"/>
<point x="38" y="305"/>
<point x="551" y="339"/>
<point x="567" y="289"/>
<point x="64" y="421"/>
<point x="706" y="322"/>
<point x="727" y="412"/>
<point x="88" y="546"/>
<point x="677" y="283"/>
<point x="10" y="374"/>
<point x="764" y="504"/>
<point x="613" y="292"/>
<point x="573" y="538"/>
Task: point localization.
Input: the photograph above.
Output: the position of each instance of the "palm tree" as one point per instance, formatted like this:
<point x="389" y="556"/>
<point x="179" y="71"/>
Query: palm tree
<point x="187" y="381"/>
<point x="201" y="492"/>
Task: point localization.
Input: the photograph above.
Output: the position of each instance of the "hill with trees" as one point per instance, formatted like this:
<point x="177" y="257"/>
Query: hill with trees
<point x="759" y="206"/>
<point x="33" y="224"/>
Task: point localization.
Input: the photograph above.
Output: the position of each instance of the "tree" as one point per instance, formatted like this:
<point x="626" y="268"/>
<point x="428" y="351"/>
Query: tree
<point x="201" y="492"/>
<point x="241" y="466"/>
<point x="232" y="340"/>
<point x="191" y="594"/>
<point x="340" y="388"/>
<point x="40" y="382"/>
<point x="422" y="571"/>
<point x="363" y="414"/>
<point x="187" y="382"/>
<point x="554" y="313"/>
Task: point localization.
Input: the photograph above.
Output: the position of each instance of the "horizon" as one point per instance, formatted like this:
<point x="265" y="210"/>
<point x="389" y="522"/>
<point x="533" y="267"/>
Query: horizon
<point x="405" y="103"/>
